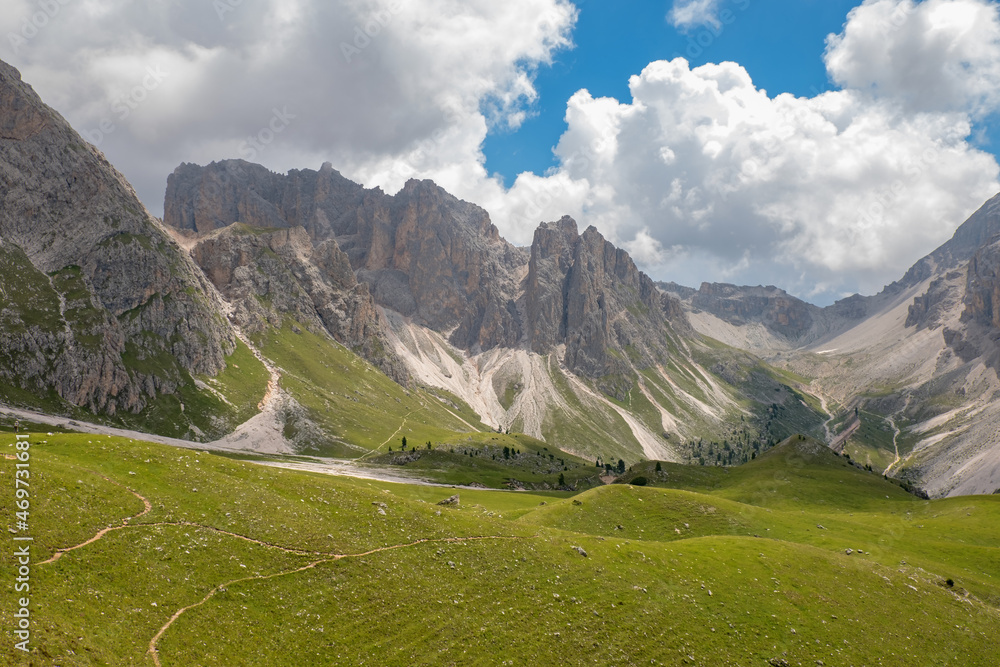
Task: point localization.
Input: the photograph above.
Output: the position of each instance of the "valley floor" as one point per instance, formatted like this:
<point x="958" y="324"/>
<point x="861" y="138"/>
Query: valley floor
<point x="149" y="554"/>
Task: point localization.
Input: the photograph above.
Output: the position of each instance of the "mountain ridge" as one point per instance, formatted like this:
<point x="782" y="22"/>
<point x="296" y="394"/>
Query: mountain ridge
<point x="566" y="340"/>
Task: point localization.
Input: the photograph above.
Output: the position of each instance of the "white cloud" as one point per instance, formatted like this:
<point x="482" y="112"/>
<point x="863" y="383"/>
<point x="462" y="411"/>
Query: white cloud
<point x="384" y="89"/>
<point x="938" y="55"/>
<point x="821" y="195"/>
<point x="687" y="14"/>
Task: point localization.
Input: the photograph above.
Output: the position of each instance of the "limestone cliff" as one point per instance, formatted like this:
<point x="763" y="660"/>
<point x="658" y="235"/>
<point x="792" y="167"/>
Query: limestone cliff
<point x="982" y="296"/>
<point x="775" y="308"/>
<point x="268" y="275"/>
<point x="422" y="253"/>
<point x="584" y="292"/>
<point x="98" y="306"/>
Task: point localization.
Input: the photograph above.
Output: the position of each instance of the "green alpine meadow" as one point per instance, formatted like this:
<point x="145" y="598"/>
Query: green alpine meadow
<point x="150" y="555"/>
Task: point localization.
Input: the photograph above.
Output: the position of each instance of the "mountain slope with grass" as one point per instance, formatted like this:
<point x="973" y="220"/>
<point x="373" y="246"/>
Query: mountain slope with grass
<point x="101" y="312"/>
<point x="149" y="555"/>
<point x="566" y="342"/>
<point x="909" y="375"/>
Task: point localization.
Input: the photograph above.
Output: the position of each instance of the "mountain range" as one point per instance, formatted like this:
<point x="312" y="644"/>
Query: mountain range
<point x="305" y="313"/>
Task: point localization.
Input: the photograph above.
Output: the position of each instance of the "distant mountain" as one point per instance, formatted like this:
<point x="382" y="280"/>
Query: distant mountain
<point x="433" y="259"/>
<point x="423" y="253"/>
<point x="921" y="356"/>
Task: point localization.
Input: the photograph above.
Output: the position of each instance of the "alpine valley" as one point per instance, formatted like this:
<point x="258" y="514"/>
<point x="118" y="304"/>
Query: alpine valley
<point x="304" y="321"/>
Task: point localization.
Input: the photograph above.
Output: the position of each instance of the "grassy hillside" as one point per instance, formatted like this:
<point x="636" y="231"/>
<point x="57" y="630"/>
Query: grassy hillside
<point x="358" y="408"/>
<point x="44" y="318"/>
<point x="272" y="567"/>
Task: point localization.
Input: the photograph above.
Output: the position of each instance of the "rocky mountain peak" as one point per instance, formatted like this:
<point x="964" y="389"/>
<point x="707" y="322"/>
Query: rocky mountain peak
<point x="584" y="292"/>
<point x="98" y="303"/>
<point x="24" y="114"/>
<point x="422" y="252"/>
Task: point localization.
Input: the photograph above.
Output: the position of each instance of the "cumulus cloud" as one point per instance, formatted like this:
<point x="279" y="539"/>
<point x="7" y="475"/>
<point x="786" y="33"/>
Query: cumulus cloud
<point x="818" y="195"/>
<point x="382" y="88"/>
<point x="938" y="55"/>
<point x="703" y="176"/>
<point x="686" y="14"/>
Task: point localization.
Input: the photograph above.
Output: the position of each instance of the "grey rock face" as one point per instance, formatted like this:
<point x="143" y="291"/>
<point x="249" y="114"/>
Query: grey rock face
<point x="775" y="308"/>
<point x="99" y="306"/>
<point x="434" y="258"/>
<point x="270" y="275"/>
<point x="584" y="292"/>
<point x="982" y="295"/>
<point x="422" y="253"/>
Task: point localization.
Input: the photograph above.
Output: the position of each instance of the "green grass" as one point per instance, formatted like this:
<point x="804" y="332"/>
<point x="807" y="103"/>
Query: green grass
<point x="479" y="459"/>
<point x="586" y="427"/>
<point x="27" y="299"/>
<point x="357" y="405"/>
<point x="191" y="411"/>
<point x="683" y="580"/>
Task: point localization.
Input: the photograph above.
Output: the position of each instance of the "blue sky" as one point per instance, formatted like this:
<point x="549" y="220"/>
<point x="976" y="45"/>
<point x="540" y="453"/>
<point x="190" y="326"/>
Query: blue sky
<point x="779" y="42"/>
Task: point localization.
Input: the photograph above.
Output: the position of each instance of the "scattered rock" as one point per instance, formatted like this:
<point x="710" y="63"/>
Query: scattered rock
<point x="820" y="527"/>
<point x="453" y="501"/>
<point x="381" y="511"/>
<point x="580" y="551"/>
<point x="849" y="552"/>
<point x="778" y="662"/>
<point x="577" y="502"/>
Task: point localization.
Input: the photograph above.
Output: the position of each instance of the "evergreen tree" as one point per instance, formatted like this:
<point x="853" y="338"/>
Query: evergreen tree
<point x="621" y="466"/>
<point x="659" y="468"/>
<point x="404" y="442"/>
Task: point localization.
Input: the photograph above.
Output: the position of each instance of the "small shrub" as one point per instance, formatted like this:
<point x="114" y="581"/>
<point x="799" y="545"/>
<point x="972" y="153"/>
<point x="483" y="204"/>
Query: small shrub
<point x="639" y="481"/>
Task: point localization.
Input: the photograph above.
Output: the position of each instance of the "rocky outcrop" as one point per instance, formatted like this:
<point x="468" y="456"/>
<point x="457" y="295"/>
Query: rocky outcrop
<point x="99" y="307"/>
<point x="931" y="308"/>
<point x="776" y="309"/>
<point x="270" y="275"/>
<point x="584" y="292"/>
<point x="422" y="253"/>
<point x="982" y="295"/>
<point x="552" y="257"/>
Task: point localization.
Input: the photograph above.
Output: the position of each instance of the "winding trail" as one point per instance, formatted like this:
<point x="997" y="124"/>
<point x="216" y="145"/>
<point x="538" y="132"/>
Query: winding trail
<point x="895" y="444"/>
<point x="896" y="433"/>
<point x="274" y="382"/>
<point x="326" y="557"/>
<point x="154" y="652"/>
<point x="826" y="424"/>
<point x="126" y="523"/>
<point x="390" y="438"/>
